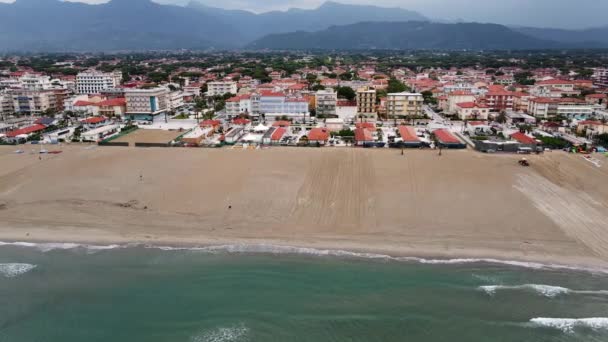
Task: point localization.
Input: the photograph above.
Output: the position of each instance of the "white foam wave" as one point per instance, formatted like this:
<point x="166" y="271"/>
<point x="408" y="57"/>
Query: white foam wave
<point x="545" y="290"/>
<point x="569" y="324"/>
<point x="15" y="269"/>
<point x="223" y="334"/>
<point x="282" y="249"/>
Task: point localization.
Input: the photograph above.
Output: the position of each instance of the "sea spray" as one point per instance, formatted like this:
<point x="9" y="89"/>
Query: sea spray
<point x="15" y="269"/>
<point x="223" y="334"/>
<point x="545" y="290"/>
<point x="569" y="324"/>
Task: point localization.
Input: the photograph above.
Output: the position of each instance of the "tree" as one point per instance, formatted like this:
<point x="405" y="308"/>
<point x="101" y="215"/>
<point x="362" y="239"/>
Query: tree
<point x="317" y="87"/>
<point x="347" y="93"/>
<point x="428" y="97"/>
<point x="396" y="86"/>
<point x="502" y="117"/>
<point x="602" y="139"/>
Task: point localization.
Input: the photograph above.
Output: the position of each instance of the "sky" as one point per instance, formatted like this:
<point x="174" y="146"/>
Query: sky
<point x="537" y="13"/>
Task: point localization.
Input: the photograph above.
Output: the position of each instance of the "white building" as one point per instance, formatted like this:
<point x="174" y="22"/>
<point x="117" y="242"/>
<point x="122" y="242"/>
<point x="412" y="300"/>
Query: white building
<point x="325" y="103"/>
<point x="144" y="104"/>
<point x="93" y="81"/>
<point x="600" y="77"/>
<point x="219" y="88"/>
<point x="176" y="100"/>
<point x="35" y="82"/>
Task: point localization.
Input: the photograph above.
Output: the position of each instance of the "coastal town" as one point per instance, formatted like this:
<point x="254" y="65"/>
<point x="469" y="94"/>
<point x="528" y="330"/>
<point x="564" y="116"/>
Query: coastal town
<point x="305" y="100"/>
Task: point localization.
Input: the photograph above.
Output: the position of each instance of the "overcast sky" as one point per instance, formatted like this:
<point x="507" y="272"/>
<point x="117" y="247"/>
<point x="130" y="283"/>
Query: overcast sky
<point x="540" y="13"/>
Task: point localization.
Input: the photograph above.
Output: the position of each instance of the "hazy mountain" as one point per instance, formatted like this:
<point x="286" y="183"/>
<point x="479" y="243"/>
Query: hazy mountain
<point x="52" y="25"/>
<point x="255" y="26"/>
<point x="405" y="35"/>
<point x="597" y="35"/>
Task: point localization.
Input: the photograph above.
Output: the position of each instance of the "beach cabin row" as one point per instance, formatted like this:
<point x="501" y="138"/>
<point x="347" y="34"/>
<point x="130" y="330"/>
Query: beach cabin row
<point x="446" y="139"/>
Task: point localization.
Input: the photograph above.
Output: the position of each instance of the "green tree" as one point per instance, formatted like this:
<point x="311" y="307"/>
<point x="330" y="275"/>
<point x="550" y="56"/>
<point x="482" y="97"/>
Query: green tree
<point x="396" y="86"/>
<point x="347" y="93"/>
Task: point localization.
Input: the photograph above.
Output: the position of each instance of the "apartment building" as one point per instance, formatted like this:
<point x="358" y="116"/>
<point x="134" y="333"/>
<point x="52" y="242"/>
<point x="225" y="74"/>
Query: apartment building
<point x="456" y="97"/>
<point x="6" y="104"/>
<point x="366" y="101"/>
<point x="218" y="88"/>
<point x="567" y="107"/>
<point x="145" y="104"/>
<point x="325" y="103"/>
<point x="401" y="105"/>
<point x="600" y="77"/>
<point x="93" y="81"/>
<point x="35" y="82"/>
<point x="34" y="102"/>
<point x="498" y="98"/>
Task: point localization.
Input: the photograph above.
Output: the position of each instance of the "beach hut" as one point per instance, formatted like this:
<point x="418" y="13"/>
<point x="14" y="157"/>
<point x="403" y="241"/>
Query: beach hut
<point x="409" y="137"/>
<point x="318" y="136"/>
<point x="446" y="139"/>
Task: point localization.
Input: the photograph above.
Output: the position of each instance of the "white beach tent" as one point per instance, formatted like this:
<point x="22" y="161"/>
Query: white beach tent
<point x="260" y="128"/>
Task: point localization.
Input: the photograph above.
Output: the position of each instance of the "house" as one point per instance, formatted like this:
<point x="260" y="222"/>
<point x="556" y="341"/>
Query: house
<point x="363" y="136"/>
<point x="472" y="111"/>
<point x="213" y="124"/>
<point x="591" y="127"/>
<point x="409" y="138"/>
<point x="25" y="133"/>
<point x="99" y="133"/>
<point x="600" y="99"/>
<point x="277" y="134"/>
<point x="524" y="139"/>
<point x="318" y="136"/>
<point x="94" y="122"/>
<point x="456" y="97"/>
<point x="446" y="139"/>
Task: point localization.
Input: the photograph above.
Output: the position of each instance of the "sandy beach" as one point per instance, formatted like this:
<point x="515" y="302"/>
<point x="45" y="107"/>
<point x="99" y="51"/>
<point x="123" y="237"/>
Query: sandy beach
<point x="461" y="204"/>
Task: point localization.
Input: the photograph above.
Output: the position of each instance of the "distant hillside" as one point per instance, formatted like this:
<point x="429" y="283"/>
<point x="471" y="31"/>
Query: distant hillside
<point x="254" y="26"/>
<point x="53" y="25"/>
<point x="593" y="36"/>
<point x="405" y="35"/>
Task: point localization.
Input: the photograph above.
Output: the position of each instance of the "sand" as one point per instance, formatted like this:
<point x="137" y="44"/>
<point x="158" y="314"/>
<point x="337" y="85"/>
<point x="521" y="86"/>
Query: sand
<point x="461" y="204"/>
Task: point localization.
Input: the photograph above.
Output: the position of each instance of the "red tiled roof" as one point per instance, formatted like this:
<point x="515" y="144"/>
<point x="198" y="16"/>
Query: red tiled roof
<point x="119" y="101"/>
<point x="281" y="123"/>
<point x="554" y="82"/>
<point x="208" y="123"/>
<point x="460" y="93"/>
<point x="471" y="105"/>
<point x="408" y="134"/>
<point x="271" y="94"/>
<point x="446" y="137"/>
<point x="240" y="121"/>
<point x="25" y="130"/>
<point x="83" y="103"/>
<point x="522" y="138"/>
<point x="363" y="134"/>
<point x="590" y="123"/>
<point x="318" y="134"/>
<point x="368" y="125"/>
<point x="94" y="120"/>
<point x="278" y="133"/>
<point x="596" y="96"/>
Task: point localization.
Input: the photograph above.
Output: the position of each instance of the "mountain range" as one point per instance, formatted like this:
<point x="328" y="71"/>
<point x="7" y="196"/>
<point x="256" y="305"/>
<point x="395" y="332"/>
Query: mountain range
<point x="55" y="25"/>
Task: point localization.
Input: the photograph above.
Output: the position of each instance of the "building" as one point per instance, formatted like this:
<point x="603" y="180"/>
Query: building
<point x="219" y="88"/>
<point x="35" y="82"/>
<point x="35" y="102"/>
<point x="554" y="88"/>
<point x="543" y="107"/>
<point x="325" y="103"/>
<point x="366" y="101"/>
<point x="401" y="105"/>
<point x="176" y="100"/>
<point x="93" y="81"/>
<point x="499" y="99"/>
<point x="456" y="97"/>
<point x="6" y="105"/>
<point x="144" y="104"/>
<point x="600" y="77"/>
<point x="472" y="111"/>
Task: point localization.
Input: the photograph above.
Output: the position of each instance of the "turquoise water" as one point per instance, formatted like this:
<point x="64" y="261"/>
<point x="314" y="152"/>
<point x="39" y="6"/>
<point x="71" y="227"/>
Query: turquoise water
<point x="144" y="294"/>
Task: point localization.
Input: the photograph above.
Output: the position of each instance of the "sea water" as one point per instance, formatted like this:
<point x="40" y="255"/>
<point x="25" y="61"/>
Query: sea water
<point x="69" y="293"/>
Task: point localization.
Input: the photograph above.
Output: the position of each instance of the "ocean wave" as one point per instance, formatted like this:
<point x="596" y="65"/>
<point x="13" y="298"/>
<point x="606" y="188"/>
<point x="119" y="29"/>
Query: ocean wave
<point x="223" y="334"/>
<point x="15" y="269"/>
<point x="569" y="324"/>
<point x="545" y="290"/>
<point x="283" y="249"/>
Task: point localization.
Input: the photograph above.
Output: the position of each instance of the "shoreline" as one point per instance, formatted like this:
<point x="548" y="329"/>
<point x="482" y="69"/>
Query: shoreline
<point x="321" y="249"/>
